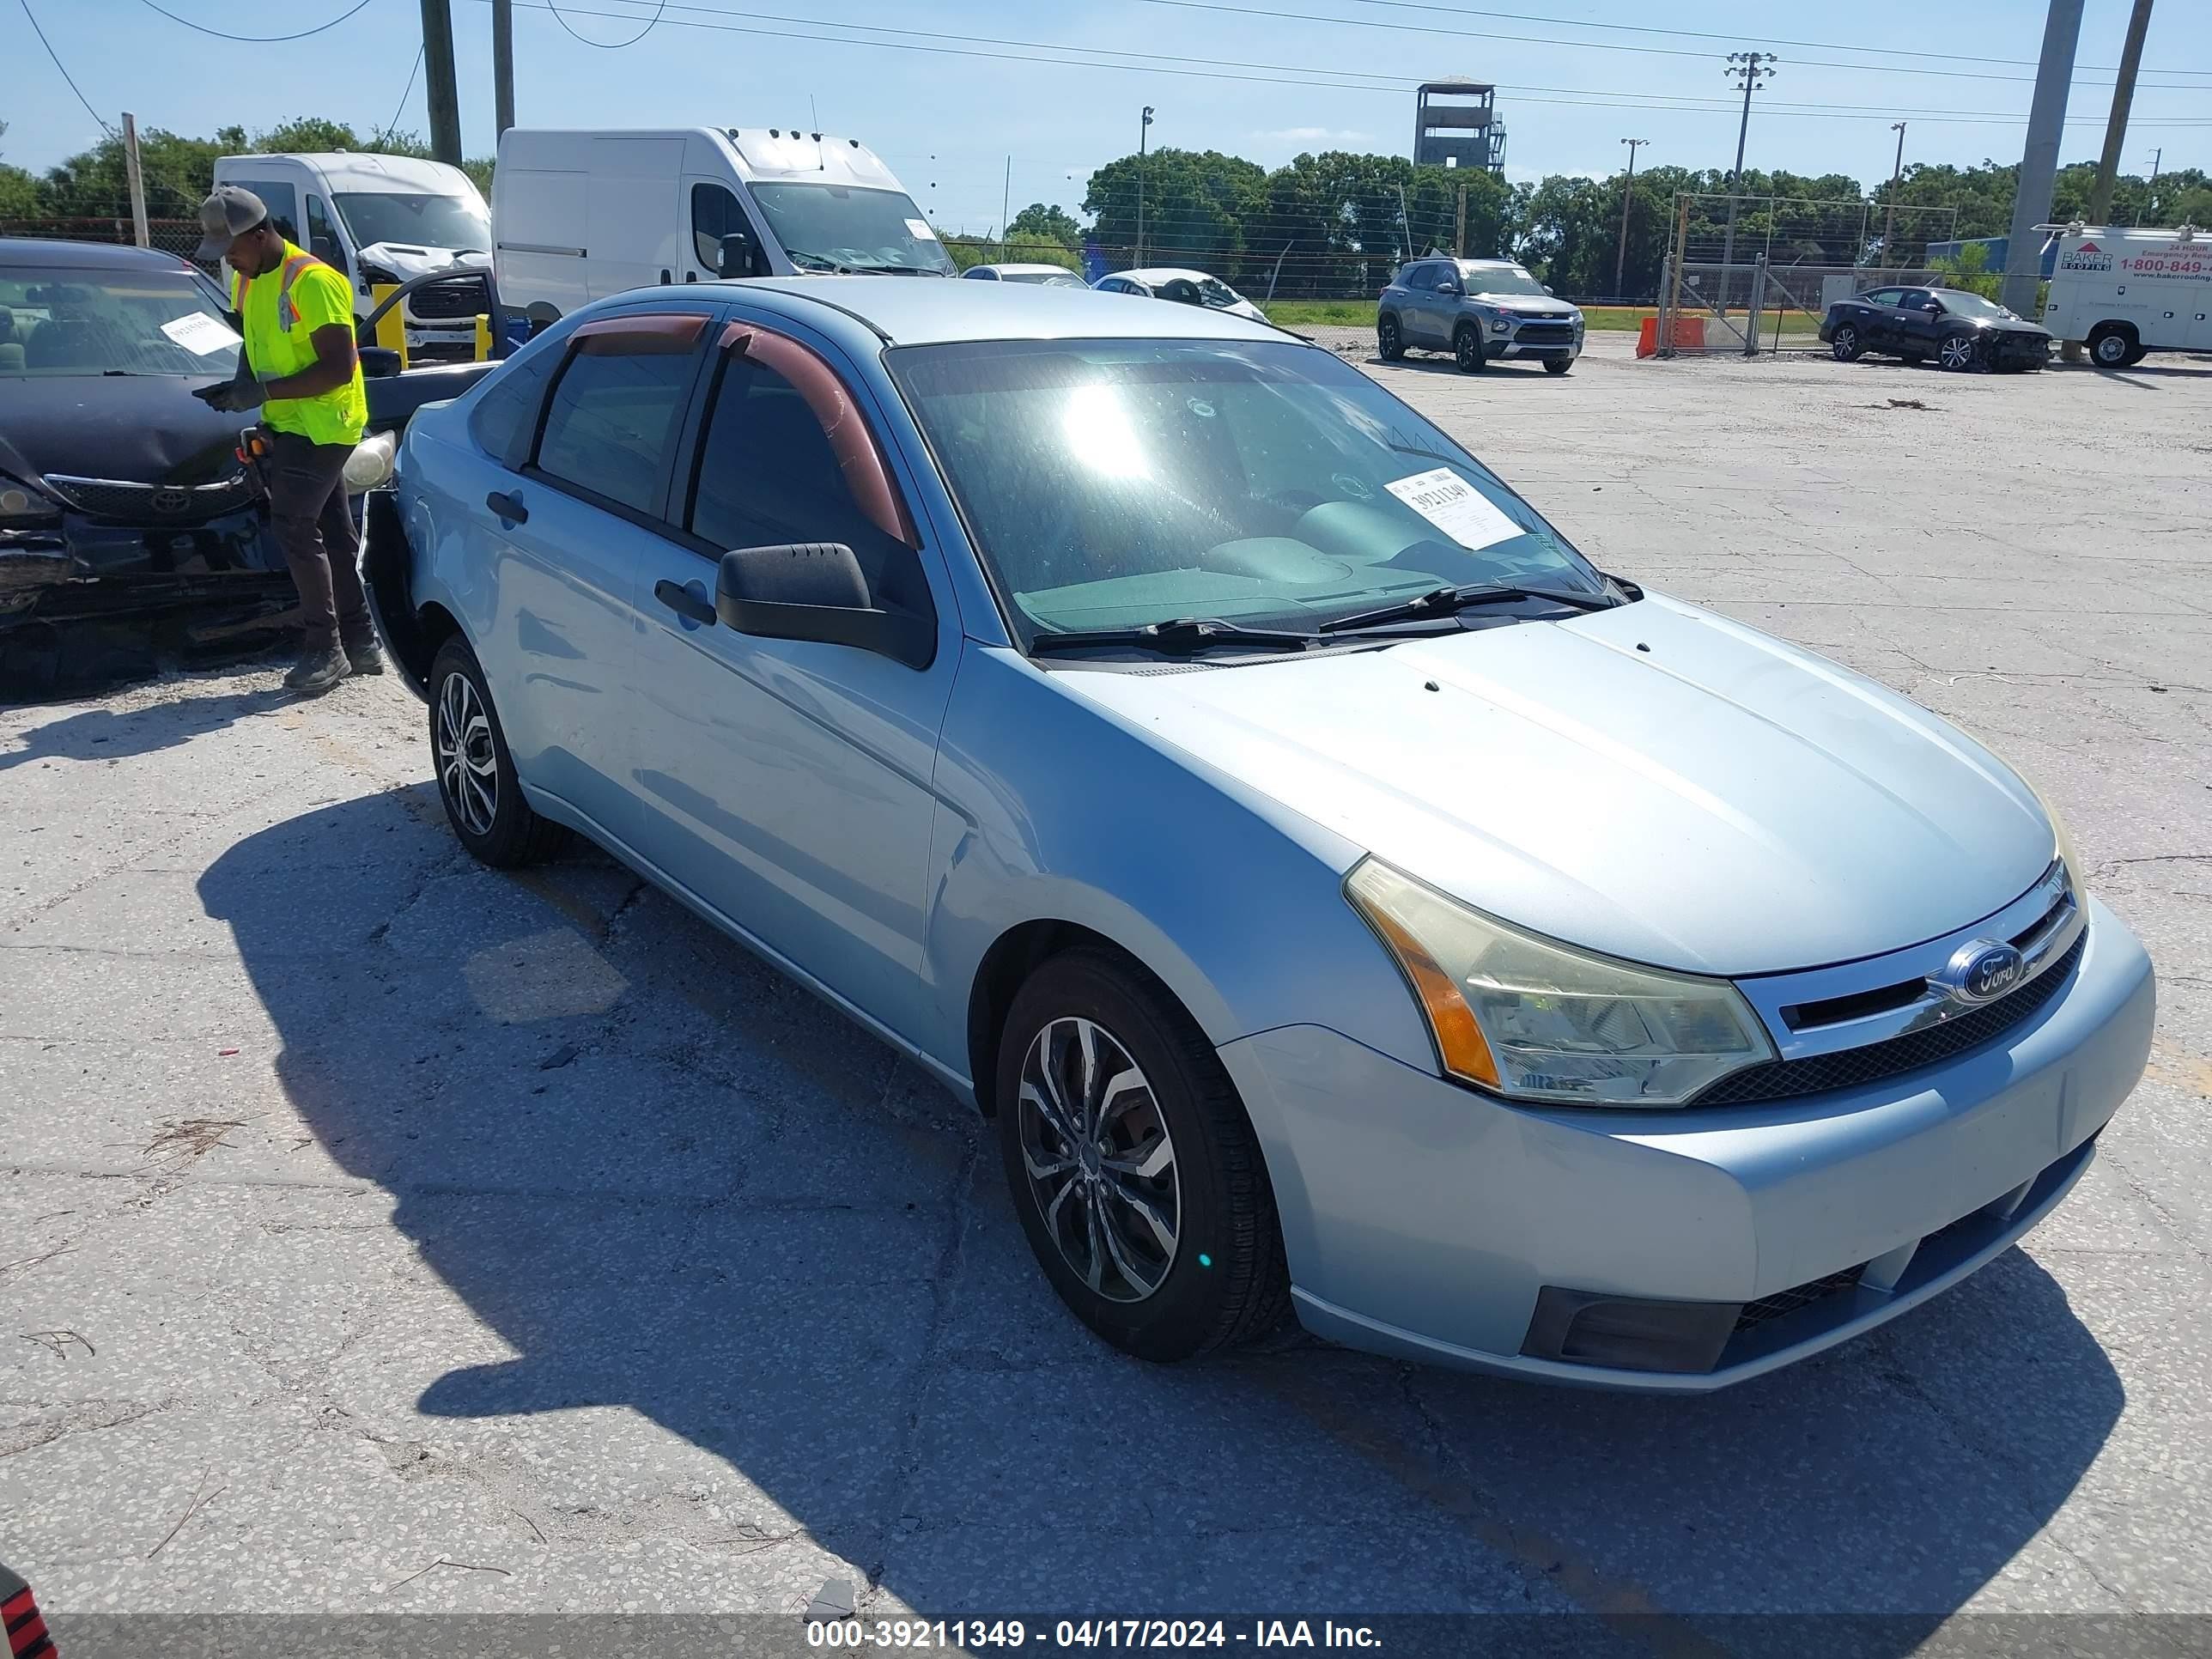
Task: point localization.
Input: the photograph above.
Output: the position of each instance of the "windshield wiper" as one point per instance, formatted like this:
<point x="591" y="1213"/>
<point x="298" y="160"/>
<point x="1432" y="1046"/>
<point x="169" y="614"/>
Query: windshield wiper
<point x="795" y="255"/>
<point x="1176" y="634"/>
<point x="1445" y="601"/>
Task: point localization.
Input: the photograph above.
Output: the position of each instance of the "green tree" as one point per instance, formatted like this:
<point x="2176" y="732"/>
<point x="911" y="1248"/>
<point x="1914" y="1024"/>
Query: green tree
<point x="19" y="188"/>
<point x="1195" y="207"/>
<point x="1041" y="223"/>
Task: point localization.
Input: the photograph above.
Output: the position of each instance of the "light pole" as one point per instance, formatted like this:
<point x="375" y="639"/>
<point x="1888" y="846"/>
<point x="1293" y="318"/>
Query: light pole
<point x="1896" y="173"/>
<point x="1143" y="127"/>
<point x="1621" y="260"/>
<point x="1754" y="67"/>
<point x="2150" y="190"/>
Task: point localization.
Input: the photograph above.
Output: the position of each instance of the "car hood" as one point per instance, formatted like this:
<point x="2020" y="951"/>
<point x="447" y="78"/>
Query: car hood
<point x="406" y="259"/>
<point x="143" y="429"/>
<point x="1651" y="781"/>
<point x="1525" y="305"/>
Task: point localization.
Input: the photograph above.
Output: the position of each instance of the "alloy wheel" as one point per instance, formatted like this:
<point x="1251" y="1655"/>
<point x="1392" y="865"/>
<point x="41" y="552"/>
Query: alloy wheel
<point x="1957" y="351"/>
<point x="468" y="761"/>
<point x="1100" y="1162"/>
<point x="1846" y="343"/>
<point x="1387" y="338"/>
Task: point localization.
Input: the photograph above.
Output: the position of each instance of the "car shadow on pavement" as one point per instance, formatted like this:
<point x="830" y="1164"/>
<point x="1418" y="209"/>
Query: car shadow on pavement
<point x="100" y="734"/>
<point x="650" y="1174"/>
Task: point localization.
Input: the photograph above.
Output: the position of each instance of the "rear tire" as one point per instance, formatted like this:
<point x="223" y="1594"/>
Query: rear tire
<point x="2110" y="344"/>
<point x="1467" y="351"/>
<point x="1845" y="345"/>
<point x="1389" y="342"/>
<point x="1103" y="1076"/>
<point x="476" y="773"/>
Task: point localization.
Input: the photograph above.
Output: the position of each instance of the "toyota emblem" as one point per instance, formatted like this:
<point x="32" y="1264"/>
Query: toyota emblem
<point x="172" y="501"/>
<point x="1981" y="971"/>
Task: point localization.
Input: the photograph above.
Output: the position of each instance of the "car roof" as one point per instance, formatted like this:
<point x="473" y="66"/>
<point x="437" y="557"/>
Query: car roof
<point x="38" y="252"/>
<point x="1058" y="270"/>
<point x="933" y="311"/>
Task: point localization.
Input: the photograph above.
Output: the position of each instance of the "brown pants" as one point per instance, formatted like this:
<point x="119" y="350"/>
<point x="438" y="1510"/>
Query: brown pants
<point x="313" y="525"/>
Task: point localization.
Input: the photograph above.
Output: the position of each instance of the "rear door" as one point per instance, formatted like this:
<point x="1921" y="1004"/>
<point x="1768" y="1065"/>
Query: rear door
<point x="1875" y="313"/>
<point x="787" y="783"/>
<point x="567" y="536"/>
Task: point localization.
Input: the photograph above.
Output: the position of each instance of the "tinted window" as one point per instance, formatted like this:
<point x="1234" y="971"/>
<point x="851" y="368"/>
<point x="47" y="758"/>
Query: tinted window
<point x="281" y="201"/>
<point x="1913" y="298"/>
<point x="767" y="475"/>
<point x="715" y="214"/>
<point x="506" y="417"/>
<point x="1883" y="296"/>
<point x="612" y="422"/>
<point x="322" y="238"/>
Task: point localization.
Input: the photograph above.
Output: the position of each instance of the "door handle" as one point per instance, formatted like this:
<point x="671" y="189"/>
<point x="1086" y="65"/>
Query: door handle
<point x="666" y="276"/>
<point x="683" y="602"/>
<point x="508" y="506"/>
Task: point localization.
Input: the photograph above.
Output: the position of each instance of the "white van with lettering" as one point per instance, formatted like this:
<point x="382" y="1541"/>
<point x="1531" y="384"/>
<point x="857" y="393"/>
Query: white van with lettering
<point x="585" y="214"/>
<point x="2127" y="292"/>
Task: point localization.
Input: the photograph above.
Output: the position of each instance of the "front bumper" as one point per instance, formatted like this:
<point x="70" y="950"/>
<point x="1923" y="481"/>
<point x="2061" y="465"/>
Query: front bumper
<point x="90" y="567"/>
<point x="1425" y="1219"/>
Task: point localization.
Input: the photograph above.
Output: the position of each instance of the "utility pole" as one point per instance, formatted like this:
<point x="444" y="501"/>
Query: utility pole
<point x="502" y="64"/>
<point x="1753" y="67"/>
<point x="2115" y="127"/>
<point x="136" y="176"/>
<point x="1896" y="178"/>
<point x="438" y="72"/>
<point x="1005" y="206"/>
<point x="2150" y="196"/>
<point x="1621" y="260"/>
<point x="1459" y="225"/>
<point x="1143" y="128"/>
<point x="2038" y="161"/>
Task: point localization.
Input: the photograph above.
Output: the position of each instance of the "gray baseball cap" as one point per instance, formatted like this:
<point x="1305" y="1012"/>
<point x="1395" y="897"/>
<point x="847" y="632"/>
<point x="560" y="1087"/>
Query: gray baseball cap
<point x="227" y="215"/>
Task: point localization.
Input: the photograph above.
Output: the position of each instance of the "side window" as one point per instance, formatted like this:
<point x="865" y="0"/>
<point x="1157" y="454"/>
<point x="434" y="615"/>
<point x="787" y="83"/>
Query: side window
<point x="281" y="201"/>
<point x="769" y="474"/>
<point x="716" y="212"/>
<point x="505" y="417"/>
<point x="322" y="237"/>
<point x="1882" y="297"/>
<point x="1913" y="298"/>
<point x="613" y="416"/>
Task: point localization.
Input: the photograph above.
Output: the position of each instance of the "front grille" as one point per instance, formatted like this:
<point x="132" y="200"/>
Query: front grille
<point x="154" y="504"/>
<point x="448" y="301"/>
<point x="1798" y="1296"/>
<point x="1545" y="334"/>
<point x="1849" y="1069"/>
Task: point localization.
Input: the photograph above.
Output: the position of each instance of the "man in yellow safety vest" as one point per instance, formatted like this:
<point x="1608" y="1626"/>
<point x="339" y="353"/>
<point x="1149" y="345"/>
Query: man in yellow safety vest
<point x="300" y="366"/>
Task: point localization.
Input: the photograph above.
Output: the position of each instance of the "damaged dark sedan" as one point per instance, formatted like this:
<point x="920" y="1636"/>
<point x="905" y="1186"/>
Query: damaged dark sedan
<point x="122" y="497"/>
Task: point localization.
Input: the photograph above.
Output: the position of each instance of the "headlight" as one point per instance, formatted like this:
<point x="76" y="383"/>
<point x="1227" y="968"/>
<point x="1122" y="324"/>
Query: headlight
<point x="370" y="464"/>
<point x="23" y="507"/>
<point x="2063" y="842"/>
<point x="1538" y="1021"/>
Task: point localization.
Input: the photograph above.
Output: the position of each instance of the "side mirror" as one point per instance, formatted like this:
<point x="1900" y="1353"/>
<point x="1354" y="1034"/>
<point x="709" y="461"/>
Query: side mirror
<point x="378" y="363"/>
<point x="815" y="591"/>
<point x="1933" y="309"/>
<point x="738" y="255"/>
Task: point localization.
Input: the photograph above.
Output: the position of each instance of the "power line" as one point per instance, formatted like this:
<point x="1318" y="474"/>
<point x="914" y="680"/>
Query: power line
<point x="258" y="39"/>
<point x="608" y="45"/>
<point x="392" y="125"/>
<point x="66" y="76"/>
<point x="1580" y="98"/>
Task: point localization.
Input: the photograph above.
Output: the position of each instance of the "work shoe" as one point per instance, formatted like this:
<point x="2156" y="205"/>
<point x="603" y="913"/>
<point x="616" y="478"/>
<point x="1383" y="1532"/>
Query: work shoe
<point x="364" y="657"/>
<point x="317" y="670"/>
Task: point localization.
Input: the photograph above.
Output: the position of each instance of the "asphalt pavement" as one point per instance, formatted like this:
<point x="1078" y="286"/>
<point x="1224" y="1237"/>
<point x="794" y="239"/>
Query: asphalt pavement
<point x="379" y="1233"/>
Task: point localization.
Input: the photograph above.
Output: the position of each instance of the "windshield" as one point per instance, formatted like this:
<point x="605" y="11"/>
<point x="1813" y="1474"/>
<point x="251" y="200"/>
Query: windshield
<point x="1218" y="293"/>
<point x="446" y="222"/>
<point x="1961" y="303"/>
<point x="1114" y="483"/>
<point x="1499" y="279"/>
<point x="62" y="322"/>
<point x="867" y="230"/>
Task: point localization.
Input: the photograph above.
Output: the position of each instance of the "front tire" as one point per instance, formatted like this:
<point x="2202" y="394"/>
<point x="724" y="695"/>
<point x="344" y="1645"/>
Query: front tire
<point x="476" y="773"/>
<point x="1558" y="365"/>
<point x="1389" y="342"/>
<point x="1466" y="349"/>
<point x="1959" y="353"/>
<point x="1845" y="344"/>
<point x="1133" y="1166"/>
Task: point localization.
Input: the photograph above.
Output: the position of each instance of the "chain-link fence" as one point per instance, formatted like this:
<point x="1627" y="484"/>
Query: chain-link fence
<point x="1757" y="273"/>
<point x="178" y="236"/>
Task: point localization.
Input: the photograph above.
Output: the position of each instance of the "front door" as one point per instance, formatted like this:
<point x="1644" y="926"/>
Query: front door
<point x="1916" y="328"/>
<point x="786" y="784"/>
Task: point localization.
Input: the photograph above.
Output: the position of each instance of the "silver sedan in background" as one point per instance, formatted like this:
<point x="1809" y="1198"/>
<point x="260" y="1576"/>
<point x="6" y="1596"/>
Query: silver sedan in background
<point x="1343" y="897"/>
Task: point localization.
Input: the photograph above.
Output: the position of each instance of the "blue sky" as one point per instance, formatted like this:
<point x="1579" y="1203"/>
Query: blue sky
<point x="949" y="119"/>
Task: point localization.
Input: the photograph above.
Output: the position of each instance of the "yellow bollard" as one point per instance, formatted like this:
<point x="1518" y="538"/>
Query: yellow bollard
<point x="484" y="337"/>
<point x="391" y="327"/>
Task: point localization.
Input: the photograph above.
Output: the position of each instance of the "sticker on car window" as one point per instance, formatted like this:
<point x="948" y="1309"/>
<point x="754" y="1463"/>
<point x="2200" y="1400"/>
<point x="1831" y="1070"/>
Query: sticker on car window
<point x="1456" y="508"/>
<point x="920" y="229"/>
<point x="200" y="334"/>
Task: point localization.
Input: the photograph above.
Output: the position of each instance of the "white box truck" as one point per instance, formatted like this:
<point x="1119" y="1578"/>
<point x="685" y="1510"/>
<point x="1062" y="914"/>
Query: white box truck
<point x="382" y="219"/>
<point x="2123" y="292"/>
<point x="580" y="214"/>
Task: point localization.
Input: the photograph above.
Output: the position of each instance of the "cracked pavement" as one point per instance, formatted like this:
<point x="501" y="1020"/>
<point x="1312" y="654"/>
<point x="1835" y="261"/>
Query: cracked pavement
<point x="380" y="1233"/>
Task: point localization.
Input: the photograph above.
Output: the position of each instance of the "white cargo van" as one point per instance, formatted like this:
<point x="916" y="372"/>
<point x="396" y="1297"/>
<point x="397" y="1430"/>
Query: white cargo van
<point x="2125" y="292"/>
<point x="582" y="214"/>
<point x="382" y="219"/>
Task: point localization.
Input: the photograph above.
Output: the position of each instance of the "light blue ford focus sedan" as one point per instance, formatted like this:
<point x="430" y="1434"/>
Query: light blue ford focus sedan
<point x="1344" y="897"/>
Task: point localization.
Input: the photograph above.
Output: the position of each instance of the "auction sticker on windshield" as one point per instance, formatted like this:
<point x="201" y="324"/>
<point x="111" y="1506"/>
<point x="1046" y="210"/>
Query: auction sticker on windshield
<point x="1456" y="508"/>
<point x="918" y="229"/>
<point x="200" y="334"/>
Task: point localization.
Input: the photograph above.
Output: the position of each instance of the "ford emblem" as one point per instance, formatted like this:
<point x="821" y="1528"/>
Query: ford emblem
<point x="170" y="500"/>
<point x="1981" y="971"/>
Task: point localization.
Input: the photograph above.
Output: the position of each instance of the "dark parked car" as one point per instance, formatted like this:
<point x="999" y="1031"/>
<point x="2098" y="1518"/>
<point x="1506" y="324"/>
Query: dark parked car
<point x="1958" y="330"/>
<point x="121" y="493"/>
